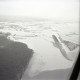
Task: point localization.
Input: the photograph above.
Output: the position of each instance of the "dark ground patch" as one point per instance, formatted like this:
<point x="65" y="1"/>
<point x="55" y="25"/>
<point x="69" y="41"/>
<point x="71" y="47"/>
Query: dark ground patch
<point x="14" y="58"/>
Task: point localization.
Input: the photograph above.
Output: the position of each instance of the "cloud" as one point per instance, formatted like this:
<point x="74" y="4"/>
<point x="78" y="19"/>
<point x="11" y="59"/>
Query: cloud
<point x="45" y="9"/>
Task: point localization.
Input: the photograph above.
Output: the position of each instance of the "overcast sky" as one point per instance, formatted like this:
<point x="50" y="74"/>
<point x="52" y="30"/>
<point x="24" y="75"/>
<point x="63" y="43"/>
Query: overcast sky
<point x="66" y="9"/>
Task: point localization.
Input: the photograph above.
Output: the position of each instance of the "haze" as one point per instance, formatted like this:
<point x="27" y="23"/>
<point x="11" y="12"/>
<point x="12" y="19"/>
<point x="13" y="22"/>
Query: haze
<point x="55" y="9"/>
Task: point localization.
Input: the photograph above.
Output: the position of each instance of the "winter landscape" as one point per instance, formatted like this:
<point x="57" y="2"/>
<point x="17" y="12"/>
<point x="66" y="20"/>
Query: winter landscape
<point x="39" y="40"/>
<point x="45" y="38"/>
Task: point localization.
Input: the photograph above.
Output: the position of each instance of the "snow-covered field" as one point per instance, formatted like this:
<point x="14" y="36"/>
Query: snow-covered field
<point x="37" y="34"/>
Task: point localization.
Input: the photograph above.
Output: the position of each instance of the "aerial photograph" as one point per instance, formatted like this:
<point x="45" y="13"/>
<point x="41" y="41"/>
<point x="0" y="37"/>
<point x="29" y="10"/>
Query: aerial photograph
<point x="39" y="39"/>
